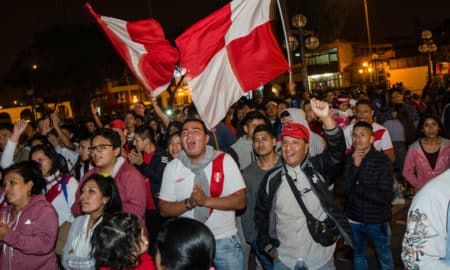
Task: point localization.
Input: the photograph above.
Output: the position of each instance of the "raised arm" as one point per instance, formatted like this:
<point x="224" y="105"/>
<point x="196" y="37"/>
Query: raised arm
<point x="164" y="118"/>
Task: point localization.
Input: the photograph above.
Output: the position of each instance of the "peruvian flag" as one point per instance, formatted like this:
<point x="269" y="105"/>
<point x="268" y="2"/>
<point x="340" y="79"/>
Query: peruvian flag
<point x="228" y="54"/>
<point x="144" y="48"/>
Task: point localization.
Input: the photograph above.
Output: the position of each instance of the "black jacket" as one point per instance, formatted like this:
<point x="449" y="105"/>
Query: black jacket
<point x="320" y="171"/>
<point x="369" y="188"/>
<point x="154" y="171"/>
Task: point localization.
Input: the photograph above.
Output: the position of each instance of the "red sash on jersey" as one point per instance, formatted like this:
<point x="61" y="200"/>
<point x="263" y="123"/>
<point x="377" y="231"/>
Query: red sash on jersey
<point x="150" y="203"/>
<point x="56" y="189"/>
<point x="217" y="178"/>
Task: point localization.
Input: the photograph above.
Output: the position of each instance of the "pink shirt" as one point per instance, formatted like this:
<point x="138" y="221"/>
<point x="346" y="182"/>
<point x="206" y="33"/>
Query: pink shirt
<point x="417" y="169"/>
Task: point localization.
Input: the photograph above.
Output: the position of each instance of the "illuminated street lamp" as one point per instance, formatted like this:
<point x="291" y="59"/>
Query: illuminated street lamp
<point x="428" y="46"/>
<point x="311" y="42"/>
<point x="366" y="71"/>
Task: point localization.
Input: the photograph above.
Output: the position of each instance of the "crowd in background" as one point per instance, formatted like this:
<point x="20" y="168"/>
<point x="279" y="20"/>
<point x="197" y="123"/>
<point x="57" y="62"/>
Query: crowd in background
<point x="74" y="180"/>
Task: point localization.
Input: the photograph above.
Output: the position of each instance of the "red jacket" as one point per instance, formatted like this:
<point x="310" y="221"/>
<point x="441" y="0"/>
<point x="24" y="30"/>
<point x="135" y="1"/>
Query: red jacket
<point x="131" y="186"/>
<point x="29" y="242"/>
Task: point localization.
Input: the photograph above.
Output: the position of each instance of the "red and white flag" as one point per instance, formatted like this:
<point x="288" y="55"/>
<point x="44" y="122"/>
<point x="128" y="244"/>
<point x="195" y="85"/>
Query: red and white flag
<point x="144" y="48"/>
<point x="229" y="53"/>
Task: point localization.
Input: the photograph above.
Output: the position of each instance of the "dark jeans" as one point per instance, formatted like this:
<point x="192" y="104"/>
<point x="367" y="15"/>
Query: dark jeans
<point x="380" y="234"/>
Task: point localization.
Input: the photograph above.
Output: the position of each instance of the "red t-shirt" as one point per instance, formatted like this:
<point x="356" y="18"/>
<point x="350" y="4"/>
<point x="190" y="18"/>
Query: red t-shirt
<point x="145" y="262"/>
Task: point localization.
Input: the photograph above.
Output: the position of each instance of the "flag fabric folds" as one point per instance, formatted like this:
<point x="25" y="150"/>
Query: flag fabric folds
<point x="144" y="48"/>
<point x="228" y="54"/>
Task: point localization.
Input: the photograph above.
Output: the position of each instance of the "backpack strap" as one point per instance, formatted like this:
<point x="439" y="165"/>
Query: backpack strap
<point x="217" y="178"/>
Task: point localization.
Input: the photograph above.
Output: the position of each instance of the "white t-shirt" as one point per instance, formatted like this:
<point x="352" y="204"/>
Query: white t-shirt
<point x="178" y="183"/>
<point x="381" y="141"/>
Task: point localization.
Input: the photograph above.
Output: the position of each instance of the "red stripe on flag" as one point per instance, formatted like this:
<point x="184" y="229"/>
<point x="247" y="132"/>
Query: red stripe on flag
<point x="159" y="61"/>
<point x="150" y="57"/>
<point x="256" y="58"/>
<point x="203" y="40"/>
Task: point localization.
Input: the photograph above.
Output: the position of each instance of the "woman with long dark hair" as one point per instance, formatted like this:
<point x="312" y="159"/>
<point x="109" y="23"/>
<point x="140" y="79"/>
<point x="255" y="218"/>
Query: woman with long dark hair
<point x="61" y="187"/>
<point x="99" y="197"/>
<point x="429" y="156"/>
<point x="119" y="243"/>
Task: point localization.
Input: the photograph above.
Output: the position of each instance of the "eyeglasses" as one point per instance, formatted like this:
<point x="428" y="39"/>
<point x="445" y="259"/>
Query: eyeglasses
<point x="99" y="148"/>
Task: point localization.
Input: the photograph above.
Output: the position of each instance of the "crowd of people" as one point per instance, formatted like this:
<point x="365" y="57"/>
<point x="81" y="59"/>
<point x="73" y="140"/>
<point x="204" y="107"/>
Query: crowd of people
<point x="282" y="178"/>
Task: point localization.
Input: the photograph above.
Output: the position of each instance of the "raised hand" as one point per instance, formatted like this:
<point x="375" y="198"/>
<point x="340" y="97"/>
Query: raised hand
<point x="320" y="108"/>
<point x="19" y="128"/>
<point x="135" y="158"/>
<point x="55" y="120"/>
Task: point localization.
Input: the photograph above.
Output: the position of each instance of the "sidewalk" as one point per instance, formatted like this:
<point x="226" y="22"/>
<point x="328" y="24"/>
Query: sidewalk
<point x="398" y="222"/>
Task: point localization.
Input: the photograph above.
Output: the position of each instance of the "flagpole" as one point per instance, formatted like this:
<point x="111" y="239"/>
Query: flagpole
<point x="286" y="38"/>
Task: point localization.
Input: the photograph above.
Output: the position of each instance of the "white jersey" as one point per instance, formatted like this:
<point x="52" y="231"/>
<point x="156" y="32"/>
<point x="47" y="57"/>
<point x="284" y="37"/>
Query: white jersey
<point x="178" y="183"/>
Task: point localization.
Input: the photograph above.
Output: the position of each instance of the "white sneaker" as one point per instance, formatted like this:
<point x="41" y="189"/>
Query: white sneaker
<point x="398" y="201"/>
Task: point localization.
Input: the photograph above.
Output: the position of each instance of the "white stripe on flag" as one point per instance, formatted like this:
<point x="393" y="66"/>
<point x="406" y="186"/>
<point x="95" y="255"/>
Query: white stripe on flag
<point x="215" y="89"/>
<point x="245" y="16"/>
<point x="135" y="50"/>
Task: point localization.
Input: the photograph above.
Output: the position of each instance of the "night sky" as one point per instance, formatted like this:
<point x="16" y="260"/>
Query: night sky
<point x="20" y="19"/>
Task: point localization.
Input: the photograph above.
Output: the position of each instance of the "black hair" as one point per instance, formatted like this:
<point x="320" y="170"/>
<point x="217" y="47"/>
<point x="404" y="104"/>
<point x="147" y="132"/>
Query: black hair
<point x="408" y="124"/>
<point x="395" y="90"/>
<point x="107" y="189"/>
<point x="177" y="124"/>
<point x="173" y="135"/>
<point x="193" y="119"/>
<point x="364" y="125"/>
<point x="41" y="119"/>
<point x="252" y="115"/>
<point x="7" y="126"/>
<point x="38" y="137"/>
<point x="50" y="152"/>
<point x="192" y="111"/>
<point x="140" y="117"/>
<point x="5" y="117"/>
<point x="421" y="134"/>
<point x="115" y="240"/>
<point x="364" y="102"/>
<point x="109" y="134"/>
<point x="267" y="128"/>
<point x="30" y="171"/>
<point x="145" y="133"/>
<point x="186" y="243"/>
<point x="285" y="113"/>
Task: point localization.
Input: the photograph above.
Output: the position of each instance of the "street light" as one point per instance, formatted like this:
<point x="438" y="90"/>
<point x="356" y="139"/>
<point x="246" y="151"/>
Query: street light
<point x="428" y="46"/>
<point x="311" y="42"/>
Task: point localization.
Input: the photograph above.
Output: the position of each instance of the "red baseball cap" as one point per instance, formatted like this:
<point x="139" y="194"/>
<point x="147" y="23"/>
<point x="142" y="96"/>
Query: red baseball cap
<point x="295" y="130"/>
<point x="117" y="123"/>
